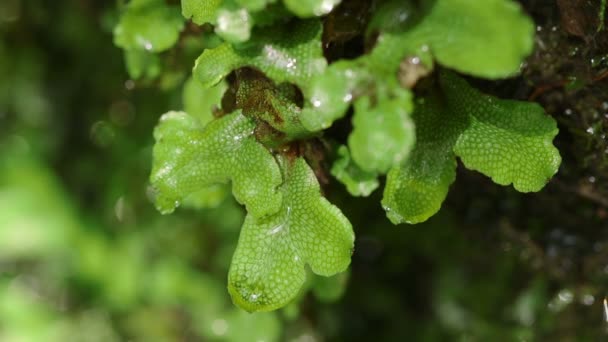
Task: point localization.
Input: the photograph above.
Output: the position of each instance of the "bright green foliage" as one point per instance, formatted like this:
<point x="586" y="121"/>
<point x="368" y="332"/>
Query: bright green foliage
<point x="267" y="269"/>
<point x="150" y="26"/>
<point x="233" y="19"/>
<point x="383" y="135"/>
<point x="233" y="23"/>
<point x="188" y="158"/>
<point x="358" y="182"/>
<point x="509" y="141"/>
<point x="283" y="95"/>
<point x="200" y="102"/>
<point x="484" y="38"/>
<point x="201" y="11"/>
<point x="465" y="35"/>
<point x="415" y="190"/>
<point x="331" y="93"/>
<point x="292" y="55"/>
<point x="309" y="8"/>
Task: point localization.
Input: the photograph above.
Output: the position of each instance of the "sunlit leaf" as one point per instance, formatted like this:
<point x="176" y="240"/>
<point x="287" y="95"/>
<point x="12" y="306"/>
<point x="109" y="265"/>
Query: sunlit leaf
<point x="188" y="158"/>
<point x="292" y="55"/>
<point x="267" y="269"/>
<point x="510" y="141"/>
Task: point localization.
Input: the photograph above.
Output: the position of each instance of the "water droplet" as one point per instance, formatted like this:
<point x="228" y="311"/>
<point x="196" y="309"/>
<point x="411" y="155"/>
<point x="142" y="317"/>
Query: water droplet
<point x="590" y="130"/>
<point x="316" y="103"/>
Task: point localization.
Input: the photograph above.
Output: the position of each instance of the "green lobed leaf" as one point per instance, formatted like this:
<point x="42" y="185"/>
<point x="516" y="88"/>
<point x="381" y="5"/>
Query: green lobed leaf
<point x="201" y="11"/>
<point x="483" y="38"/>
<point x="188" y="158"/>
<point x="151" y="26"/>
<point x="233" y="23"/>
<point x="383" y="134"/>
<point x="267" y="269"/>
<point x="510" y="141"/>
<point x="285" y="55"/>
<point x="330" y="94"/>
<point x="487" y="38"/>
<point x="200" y="103"/>
<point x="415" y="189"/>
<point x="357" y="181"/>
<point x="234" y="19"/>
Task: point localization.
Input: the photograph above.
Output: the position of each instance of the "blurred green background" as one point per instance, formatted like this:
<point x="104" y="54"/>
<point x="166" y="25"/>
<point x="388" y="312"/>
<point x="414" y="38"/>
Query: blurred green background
<point x="84" y="256"/>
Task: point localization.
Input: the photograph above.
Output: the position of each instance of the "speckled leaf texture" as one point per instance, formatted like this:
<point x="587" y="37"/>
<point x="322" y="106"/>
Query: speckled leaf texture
<point x="509" y="141"/>
<point x="200" y="103"/>
<point x="285" y="55"/>
<point x="268" y="267"/>
<point x="188" y="158"/>
<point x="201" y="11"/>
